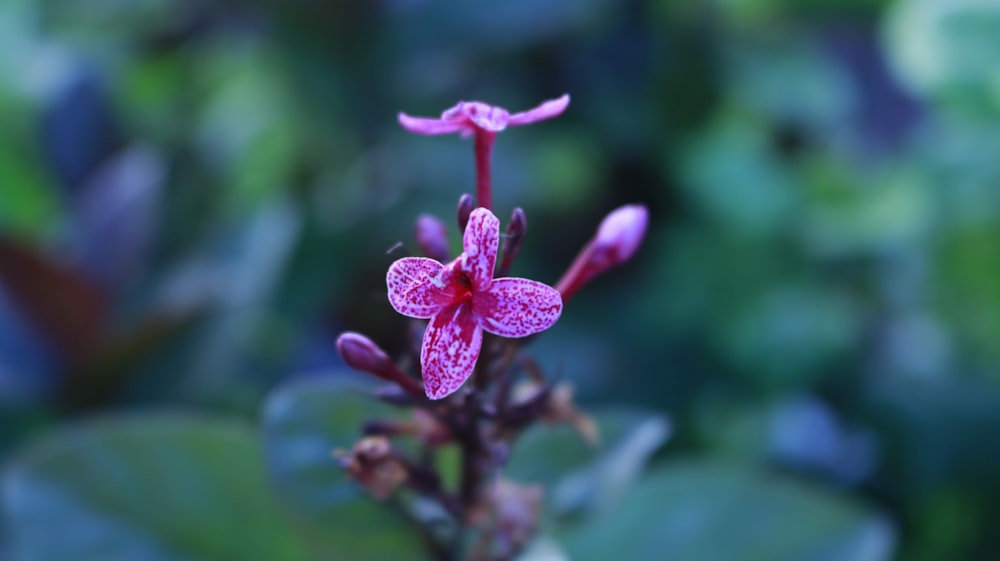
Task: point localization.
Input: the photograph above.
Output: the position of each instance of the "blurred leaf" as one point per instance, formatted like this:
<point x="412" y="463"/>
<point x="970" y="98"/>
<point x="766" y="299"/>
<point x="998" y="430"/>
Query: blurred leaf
<point x="948" y="49"/>
<point x="163" y="488"/>
<point x="934" y="429"/>
<point x="239" y="274"/>
<point x="304" y="423"/>
<point x="249" y="127"/>
<point x="783" y="337"/>
<point x="109" y="22"/>
<point x="68" y="307"/>
<point x="29" y="204"/>
<point x="849" y="215"/>
<point x="515" y="23"/>
<point x="543" y="549"/>
<point x="705" y="512"/>
<point x="966" y="291"/>
<point x="115" y="214"/>
<point x="736" y="178"/>
<point x="600" y="484"/>
<point x="581" y="477"/>
<point x="940" y="462"/>
<point x="566" y="172"/>
<point x="789" y="80"/>
<point x="102" y="376"/>
<point x="79" y="129"/>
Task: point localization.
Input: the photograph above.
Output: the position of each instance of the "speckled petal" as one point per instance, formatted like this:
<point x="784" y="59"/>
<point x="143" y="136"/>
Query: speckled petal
<point x="514" y="307"/>
<point x="480" y="242"/>
<point x="422" y="125"/>
<point x="451" y="347"/>
<point x="415" y="287"/>
<point x="545" y="110"/>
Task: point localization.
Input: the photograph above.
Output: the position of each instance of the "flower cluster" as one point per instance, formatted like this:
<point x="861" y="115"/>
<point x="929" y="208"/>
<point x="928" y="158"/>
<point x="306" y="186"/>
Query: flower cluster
<point x="477" y="320"/>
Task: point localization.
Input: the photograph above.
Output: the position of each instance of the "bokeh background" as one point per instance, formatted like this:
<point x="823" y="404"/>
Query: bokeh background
<point x="197" y="196"/>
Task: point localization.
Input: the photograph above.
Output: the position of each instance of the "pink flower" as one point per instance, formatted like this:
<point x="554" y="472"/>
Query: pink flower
<point x="462" y="299"/>
<point x="468" y="116"/>
<point x="483" y="121"/>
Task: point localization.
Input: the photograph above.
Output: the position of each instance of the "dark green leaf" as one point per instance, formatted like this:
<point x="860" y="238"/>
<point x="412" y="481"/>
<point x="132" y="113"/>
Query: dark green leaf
<point x="582" y="477"/>
<point x="165" y="487"/>
<point x="303" y="424"/>
<point x="705" y="512"/>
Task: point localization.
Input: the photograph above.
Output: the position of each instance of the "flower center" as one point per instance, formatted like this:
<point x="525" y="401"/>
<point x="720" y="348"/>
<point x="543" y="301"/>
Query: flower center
<point x="463" y="287"/>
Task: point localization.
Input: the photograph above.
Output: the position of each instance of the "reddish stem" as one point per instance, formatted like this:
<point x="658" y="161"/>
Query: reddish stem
<point x="484" y="156"/>
<point x="577" y="275"/>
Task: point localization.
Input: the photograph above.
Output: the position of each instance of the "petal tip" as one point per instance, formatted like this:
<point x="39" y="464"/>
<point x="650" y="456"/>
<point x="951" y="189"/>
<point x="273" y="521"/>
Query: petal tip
<point x="545" y="110"/>
<point x="423" y="125"/>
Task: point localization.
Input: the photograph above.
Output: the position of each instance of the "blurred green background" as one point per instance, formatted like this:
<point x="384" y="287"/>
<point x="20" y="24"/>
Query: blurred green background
<point x="196" y="196"/>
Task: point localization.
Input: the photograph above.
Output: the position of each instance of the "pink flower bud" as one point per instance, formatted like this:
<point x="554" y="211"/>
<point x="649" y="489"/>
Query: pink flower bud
<point x="363" y="355"/>
<point x="512" y="242"/>
<point x="619" y="235"/>
<point x="617" y="239"/>
<point x="465" y="206"/>
<point x="432" y="237"/>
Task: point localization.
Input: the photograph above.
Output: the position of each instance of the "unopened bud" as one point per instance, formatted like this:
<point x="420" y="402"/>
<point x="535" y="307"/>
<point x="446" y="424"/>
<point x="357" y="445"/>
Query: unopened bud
<point x="617" y="239"/>
<point x="619" y="235"/>
<point x="432" y="237"/>
<point x="516" y="229"/>
<point x="372" y="463"/>
<point x="362" y="354"/>
<point x="466" y="204"/>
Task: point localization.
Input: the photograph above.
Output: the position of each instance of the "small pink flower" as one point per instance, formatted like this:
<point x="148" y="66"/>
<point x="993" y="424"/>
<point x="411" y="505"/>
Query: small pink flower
<point x="462" y="299"/>
<point x="468" y="116"/>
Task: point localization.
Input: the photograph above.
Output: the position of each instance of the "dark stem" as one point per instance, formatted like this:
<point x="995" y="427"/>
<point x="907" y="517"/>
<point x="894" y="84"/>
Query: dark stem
<point x="472" y="450"/>
<point x="439" y="550"/>
<point x="484" y="155"/>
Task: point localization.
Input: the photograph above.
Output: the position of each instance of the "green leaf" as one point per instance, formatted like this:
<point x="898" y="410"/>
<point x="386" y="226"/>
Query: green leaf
<point x="948" y="49"/>
<point x="163" y="487"/>
<point x="303" y="424"/>
<point x="696" y="511"/>
<point x="581" y="477"/>
<point x="733" y="175"/>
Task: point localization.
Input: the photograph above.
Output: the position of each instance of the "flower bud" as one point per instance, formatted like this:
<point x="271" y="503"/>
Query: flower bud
<point x="619" y="235"/>
<point x="363" y="355"/>
<point x="373" y="464"/>
<point x="516" y="229"/>
<point x="432" y="237"/>
<point x="465" y="207"/>
<point x="617" y="239"/>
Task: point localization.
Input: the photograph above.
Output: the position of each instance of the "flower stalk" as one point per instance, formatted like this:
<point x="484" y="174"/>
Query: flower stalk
<point x="617" y="239"/>
<point x="484" y="156"/>
<point x="478" y="320"/>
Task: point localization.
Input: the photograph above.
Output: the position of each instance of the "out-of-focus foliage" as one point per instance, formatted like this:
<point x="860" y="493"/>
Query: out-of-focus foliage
<point x="159" y="487"/>
<point x="303" y="423"/>
<point x="195" y="196"/>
